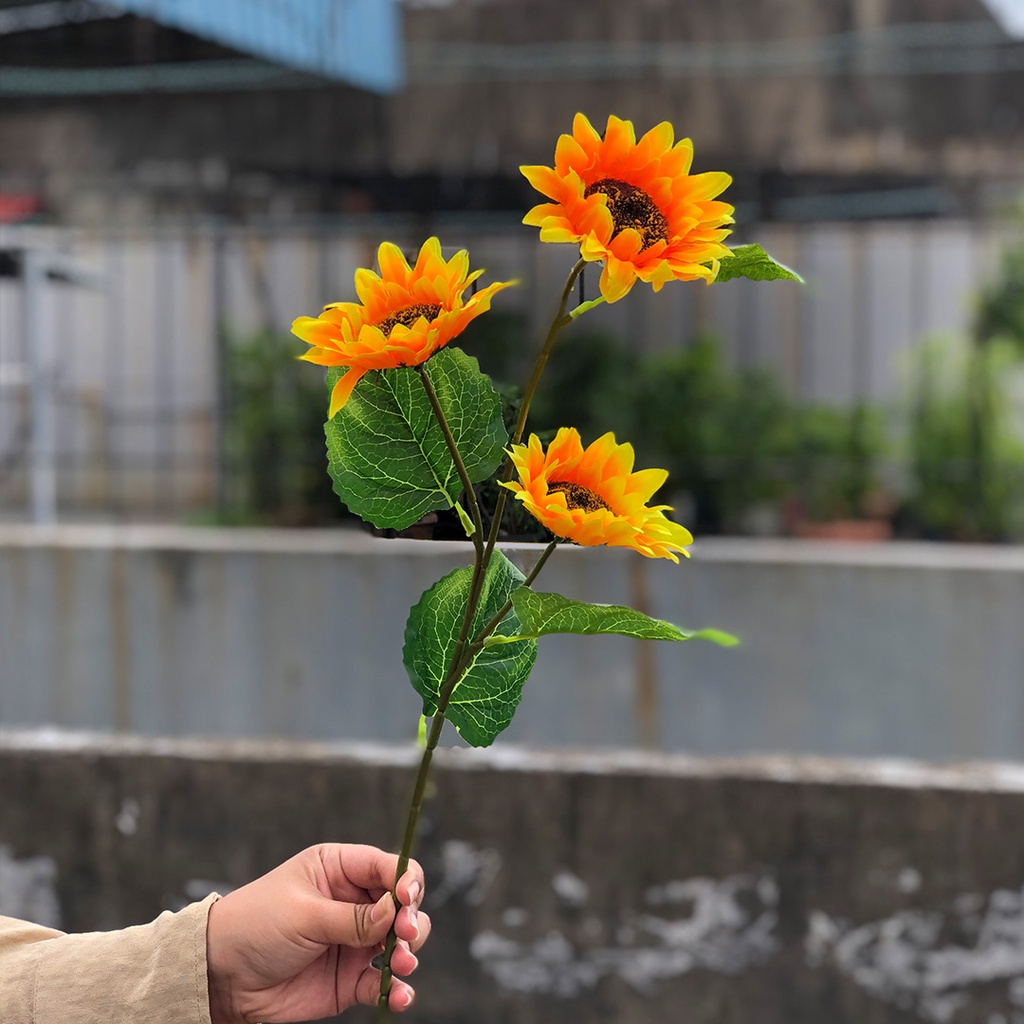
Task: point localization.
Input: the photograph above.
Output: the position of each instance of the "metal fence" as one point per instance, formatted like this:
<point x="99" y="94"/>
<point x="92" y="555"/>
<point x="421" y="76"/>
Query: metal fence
<point x="133" y="362"/>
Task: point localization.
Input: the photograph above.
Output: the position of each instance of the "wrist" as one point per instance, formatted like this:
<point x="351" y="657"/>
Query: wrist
<point x="218" y="983"/>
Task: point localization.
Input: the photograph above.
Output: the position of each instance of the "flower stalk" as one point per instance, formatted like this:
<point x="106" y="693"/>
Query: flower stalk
<point x="560" y="320"/>
<point x="459" y="668"/>
<point x="465" y="652"/>
<point x="633" y="207"/>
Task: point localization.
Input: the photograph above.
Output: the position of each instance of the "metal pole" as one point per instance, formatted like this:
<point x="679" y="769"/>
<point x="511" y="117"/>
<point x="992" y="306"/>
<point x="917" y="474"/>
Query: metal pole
<point x="43" y="381"/>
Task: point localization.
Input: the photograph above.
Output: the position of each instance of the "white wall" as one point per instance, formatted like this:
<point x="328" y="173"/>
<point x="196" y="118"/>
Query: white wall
<point x="138" y="374"/>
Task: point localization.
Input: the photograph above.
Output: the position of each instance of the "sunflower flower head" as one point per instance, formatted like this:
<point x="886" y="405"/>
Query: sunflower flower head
<point x="592" y="496"/>
<point x="403" y="316"/>
<point x="632" y="205"/>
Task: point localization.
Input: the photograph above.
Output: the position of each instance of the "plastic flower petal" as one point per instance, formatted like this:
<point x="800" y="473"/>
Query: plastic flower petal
<point x="592" y="496"/>
<point x="402" y="318"/>
<point x="632" y="205"/>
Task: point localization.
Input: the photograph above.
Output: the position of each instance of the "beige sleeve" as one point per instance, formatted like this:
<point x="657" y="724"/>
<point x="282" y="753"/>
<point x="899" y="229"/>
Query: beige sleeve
<point x="150" y="974"/>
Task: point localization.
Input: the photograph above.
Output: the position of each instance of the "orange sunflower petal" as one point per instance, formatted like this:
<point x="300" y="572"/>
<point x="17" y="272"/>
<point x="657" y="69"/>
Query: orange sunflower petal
<point x="403" y="316"/>
<point x="669" y="210"/>
<point x="342" y="390"/>
<point x="592" y="496"/>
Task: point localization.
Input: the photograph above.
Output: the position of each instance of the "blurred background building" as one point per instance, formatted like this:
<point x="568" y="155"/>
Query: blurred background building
<point x="180" y="179"/>
<point x="213" y="170"/>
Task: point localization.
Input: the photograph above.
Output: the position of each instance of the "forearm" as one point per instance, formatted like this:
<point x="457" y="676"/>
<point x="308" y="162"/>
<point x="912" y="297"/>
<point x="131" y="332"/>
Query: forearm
<point x="150" y="974"/>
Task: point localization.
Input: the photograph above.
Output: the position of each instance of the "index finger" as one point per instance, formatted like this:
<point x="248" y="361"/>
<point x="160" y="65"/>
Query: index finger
<point x="372" y="869"/>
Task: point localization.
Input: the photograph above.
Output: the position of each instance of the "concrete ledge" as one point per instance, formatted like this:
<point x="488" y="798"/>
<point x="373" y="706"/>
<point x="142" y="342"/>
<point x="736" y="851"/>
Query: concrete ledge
<point x="894" y="650"/>
<point x="778" y="551"/>
<point x="901" y="773"/>
<point x="630" y="890"/>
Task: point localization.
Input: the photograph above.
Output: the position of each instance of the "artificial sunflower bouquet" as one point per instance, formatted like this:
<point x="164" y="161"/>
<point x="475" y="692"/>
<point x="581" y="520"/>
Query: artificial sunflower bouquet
<point x="414" y="425"/>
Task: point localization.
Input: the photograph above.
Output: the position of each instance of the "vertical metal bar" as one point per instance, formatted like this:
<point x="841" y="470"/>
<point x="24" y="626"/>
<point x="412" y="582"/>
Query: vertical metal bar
<point x="74" y="462"/>
<point x="805" y="347"/>
<point x="646" y="694"/>
<point x="746" y="349"/>
<point x="861" y="317"/>
<point x="39" y="343"/>
<point x="222" y="411"/>
<point x="163" y="460"/>
<point x="114" y="344"/>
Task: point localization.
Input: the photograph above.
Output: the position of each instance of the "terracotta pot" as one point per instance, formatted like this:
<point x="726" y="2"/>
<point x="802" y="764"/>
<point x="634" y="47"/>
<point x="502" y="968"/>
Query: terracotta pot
<point x="846" y="529"/>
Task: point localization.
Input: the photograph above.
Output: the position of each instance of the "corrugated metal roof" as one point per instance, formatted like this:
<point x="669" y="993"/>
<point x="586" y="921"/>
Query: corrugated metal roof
<point x="358" y="41"/>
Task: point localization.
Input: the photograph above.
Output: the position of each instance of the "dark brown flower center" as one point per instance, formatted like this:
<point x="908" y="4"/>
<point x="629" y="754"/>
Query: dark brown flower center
<point x="408" y="316"/>
<point x="632" y="207"/>
<point x="578" y="496"/>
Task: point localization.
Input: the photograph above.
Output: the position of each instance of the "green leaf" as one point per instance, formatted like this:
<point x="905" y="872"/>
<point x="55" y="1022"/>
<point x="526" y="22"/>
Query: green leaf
<point x="753" y="262"/>
<point x="541" y="614"/>
<point x="385" y="450"/>
<point x="421" y="732"/>
<point x="483" y="703"/>
<point x="585" y="307"/>
<point x="465" y="519"/>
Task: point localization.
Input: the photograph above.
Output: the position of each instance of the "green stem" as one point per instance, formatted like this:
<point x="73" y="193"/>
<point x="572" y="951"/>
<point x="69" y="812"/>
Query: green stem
<point x="455" y="671"/>
<point x="561" y="318"/>
<point x="507" y="606"/>
<point x="460" y="663"/>
<point x="458" y="668"/>
<point x="464" y="653"/>
<point x="460" y="466"/>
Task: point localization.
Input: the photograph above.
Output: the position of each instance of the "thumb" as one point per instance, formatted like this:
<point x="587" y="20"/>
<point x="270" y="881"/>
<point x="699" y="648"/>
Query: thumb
<point x="358" y="925"/>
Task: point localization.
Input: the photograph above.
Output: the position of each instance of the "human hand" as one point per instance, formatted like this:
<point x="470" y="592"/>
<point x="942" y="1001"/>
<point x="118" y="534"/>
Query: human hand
<point x="297" y="943"/>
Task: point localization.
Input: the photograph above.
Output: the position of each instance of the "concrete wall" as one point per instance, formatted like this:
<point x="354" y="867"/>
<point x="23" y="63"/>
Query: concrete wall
<point x="898" y="649"/>
<point x="615" y="890"/>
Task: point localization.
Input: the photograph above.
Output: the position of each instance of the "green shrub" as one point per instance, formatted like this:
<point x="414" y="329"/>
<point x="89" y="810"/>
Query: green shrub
<point x="274" y="450"/>
<point x="966" y="452"/>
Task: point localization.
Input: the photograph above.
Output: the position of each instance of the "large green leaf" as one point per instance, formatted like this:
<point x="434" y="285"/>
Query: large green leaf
<point x="485" y="700"/>
<point x="753" y="262"/>
<point x="385" y="450"/>
<point x="541" y="614"/>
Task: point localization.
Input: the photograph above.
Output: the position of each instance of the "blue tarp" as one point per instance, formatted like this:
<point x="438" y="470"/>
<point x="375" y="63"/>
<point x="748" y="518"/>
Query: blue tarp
<point x="357" y="41"/>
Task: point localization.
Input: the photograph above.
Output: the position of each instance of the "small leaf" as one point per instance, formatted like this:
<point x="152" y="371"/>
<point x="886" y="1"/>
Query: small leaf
<point x="465" y="519"/>
<point x="541" y="614"/>
<point x="421" y="732"/>
<point x="584" y="307"/>
<point x="483" y="703"/>
<point x="386" y="453"/>
<point x="751" y="261"/>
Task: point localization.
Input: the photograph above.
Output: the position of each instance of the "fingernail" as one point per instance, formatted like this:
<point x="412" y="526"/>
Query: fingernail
<point x="380" y="908"/>
<point x="414" y="920"/>
<point x="415" y="890"/>
<point x="403" y="999"/>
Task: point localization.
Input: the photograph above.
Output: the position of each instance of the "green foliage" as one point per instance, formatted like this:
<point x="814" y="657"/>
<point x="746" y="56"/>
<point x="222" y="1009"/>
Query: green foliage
<point x="543" y="614"/>
<point x="1001" y="308"/>
<point x="751" y="261"/>
<point x="731" y="440"/>
<point x="483" y="703"/>
<point x="830" y="458"/>
<point x="967" y="456"/>
<point x="273" y="436"/>
<point x="386" y="452"/>
<point x="590" y="383"/>
<point x="498" y="341"/>
<point x="719" y="433"/>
